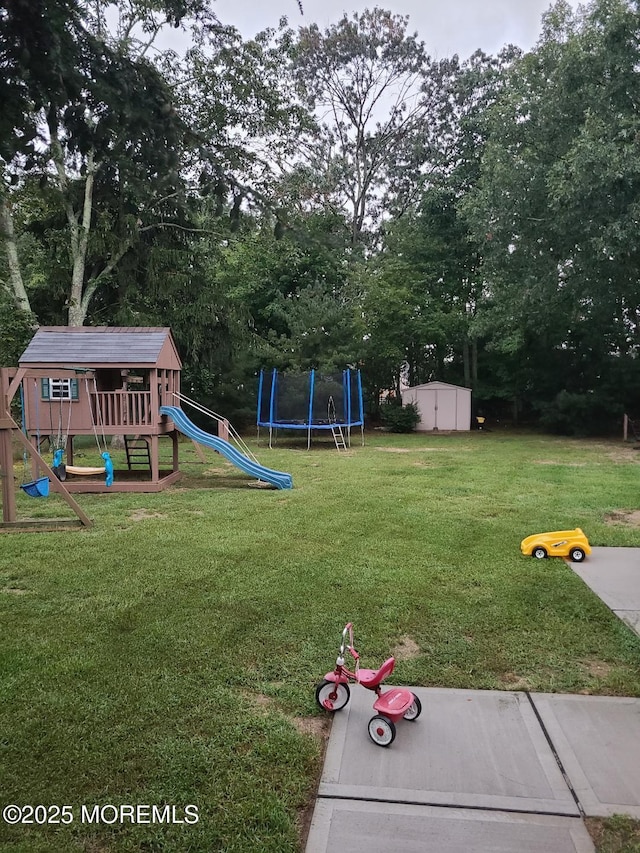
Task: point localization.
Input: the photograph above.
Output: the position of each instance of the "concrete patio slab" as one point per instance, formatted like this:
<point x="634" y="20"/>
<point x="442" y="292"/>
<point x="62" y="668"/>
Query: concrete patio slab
<point x="614" y="575"/>
<point x="597" y="739"/>
<point x="631" y="617"/>
<point x="479" y="749"/>
<point x="364" y="827"/>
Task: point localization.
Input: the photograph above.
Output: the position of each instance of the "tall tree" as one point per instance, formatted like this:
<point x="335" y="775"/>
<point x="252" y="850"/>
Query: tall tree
<point x="556" y="205"/>
<point x="89" y="116"/>
<point x="422" y="301"/>
<point x="293" y="291"/>
<point x="372" y="88"/>
<point x="243" y="113"/>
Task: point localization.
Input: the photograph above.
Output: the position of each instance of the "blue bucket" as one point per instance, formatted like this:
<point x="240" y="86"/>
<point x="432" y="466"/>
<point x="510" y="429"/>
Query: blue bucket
<point x="37" y="488"/>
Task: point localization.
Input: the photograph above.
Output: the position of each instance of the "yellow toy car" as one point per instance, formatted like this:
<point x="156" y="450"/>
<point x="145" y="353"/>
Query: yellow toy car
<point x="560" y="543"/>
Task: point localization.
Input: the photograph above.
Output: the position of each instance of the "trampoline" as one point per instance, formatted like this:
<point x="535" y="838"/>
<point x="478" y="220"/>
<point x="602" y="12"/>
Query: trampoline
<point x="310" y="401"/>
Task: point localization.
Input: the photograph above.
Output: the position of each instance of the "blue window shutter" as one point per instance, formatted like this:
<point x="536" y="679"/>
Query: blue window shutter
<point x="74" y="389"/>
<point x="44" y="388"/>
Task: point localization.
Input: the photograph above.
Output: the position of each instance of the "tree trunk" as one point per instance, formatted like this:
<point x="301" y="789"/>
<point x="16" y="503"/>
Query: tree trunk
<point x="79" y="300"/>
<point x="79" y="223"/>
<point x="474" y="362"/>
<point x="15" y="275"/>
<point x="465" y="363"/>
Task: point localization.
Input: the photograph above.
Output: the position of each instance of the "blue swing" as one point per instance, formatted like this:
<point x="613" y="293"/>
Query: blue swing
<point x="35" y="488"/>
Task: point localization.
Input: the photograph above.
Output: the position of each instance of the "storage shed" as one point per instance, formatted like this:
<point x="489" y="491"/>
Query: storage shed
<point x="442" y="406"/>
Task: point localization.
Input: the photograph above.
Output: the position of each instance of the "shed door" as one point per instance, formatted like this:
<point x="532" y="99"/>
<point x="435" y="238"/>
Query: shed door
<point x="464" y="410"/>
<point x="427" y="403"/>
<point x="445" y="408"/>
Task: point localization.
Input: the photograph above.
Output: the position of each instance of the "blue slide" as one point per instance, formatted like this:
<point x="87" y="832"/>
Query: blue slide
<point x="277" y="478"/>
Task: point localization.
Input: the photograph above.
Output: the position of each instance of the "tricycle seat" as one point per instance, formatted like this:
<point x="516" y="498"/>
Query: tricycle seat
<point x="372" y="678"/>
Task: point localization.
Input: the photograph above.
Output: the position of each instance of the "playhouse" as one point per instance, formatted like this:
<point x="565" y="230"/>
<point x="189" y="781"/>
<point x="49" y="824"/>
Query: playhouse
<point x="103" y="382"/>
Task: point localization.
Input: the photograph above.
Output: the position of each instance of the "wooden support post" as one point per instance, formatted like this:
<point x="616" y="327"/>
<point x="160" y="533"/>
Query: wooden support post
<point x="6" y="474"/>
<point x="6" y="452"/>
<point x="223" y="429"/>
<point x="199" y="451"/>
<point x="155" y="461"/>
<point x="14" y="384"/>
<point x="176" y="450"/>
<point x="8" y="427"/>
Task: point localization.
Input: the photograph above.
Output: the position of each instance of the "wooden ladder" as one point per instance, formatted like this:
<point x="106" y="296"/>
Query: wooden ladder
<point x="138" y="452"/>
<point x="338" y="437"/>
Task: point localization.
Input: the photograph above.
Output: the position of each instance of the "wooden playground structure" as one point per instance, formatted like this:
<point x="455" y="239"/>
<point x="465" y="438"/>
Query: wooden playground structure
<point x="89" y="381"/>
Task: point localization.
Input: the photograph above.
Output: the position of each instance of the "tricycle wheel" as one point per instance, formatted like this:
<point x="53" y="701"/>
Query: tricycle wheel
<point x="332" y="695"/>
<point x="577" y="555"/>
<point x="414" y="710"/>
<point x="382" y="730"/>
<point x="539" y="553"/>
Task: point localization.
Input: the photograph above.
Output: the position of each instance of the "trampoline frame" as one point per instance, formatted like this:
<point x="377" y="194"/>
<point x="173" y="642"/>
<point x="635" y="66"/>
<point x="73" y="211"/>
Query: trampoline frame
<point x="309" y="425"/>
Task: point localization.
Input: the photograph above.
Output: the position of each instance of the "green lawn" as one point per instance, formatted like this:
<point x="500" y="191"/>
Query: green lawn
<point x="169" y="654"/>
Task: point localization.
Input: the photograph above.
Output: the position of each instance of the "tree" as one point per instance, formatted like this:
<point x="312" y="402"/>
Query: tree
<point x="556" y="204"/>
<point x="372" y="88"/>
<point x="423" y="299"/>
<point x="293" y="292"/>
<point x="90" y="117"/>
<point x="243" y="114"/>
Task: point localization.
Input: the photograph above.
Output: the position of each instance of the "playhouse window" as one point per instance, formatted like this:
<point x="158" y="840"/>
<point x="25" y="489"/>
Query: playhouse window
<point x="59" y="389"/>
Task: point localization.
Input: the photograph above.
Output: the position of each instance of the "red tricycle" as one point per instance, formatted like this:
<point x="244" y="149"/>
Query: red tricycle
<point x="392" y="705"/>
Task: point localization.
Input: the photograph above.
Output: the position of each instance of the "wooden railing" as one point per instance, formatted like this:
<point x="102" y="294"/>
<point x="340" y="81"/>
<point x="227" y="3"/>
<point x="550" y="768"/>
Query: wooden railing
<point x="122" y="408"/>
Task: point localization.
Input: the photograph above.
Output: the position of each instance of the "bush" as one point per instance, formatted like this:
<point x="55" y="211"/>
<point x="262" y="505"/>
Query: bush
<point x="399" y="418"/>
<point x="580" y="414"/>
<point x="16" y="330"/>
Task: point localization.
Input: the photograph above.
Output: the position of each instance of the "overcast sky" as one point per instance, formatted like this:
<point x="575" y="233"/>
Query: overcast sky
<point x="445" y="26"/>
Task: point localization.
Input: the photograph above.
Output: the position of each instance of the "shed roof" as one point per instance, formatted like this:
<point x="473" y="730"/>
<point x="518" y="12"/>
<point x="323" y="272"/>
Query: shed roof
<point x="90" y="345"/>
<point x="437" y="384"/>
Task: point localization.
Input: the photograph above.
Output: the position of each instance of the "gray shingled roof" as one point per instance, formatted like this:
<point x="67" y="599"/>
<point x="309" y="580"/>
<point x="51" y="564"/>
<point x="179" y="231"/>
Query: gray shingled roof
<point x="91" y="345"/>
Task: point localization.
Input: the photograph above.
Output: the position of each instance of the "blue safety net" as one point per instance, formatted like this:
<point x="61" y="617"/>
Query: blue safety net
<point x="312" y="399"/>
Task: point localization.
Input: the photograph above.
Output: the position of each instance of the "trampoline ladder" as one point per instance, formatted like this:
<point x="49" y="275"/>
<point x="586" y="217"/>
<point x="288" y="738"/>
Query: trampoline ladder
<point x="338" y="437"/>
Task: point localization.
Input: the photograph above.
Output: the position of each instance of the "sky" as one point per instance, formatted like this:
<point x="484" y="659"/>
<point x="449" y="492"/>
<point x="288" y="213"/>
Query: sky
<point x="445" y="26"/>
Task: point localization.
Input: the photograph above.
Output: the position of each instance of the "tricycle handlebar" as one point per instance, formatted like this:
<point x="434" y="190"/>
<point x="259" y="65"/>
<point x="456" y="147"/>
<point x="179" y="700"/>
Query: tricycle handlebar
<point x="348" y="630"/>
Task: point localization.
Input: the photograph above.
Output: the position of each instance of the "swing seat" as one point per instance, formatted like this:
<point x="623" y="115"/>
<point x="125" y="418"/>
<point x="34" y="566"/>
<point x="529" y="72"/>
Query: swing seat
<point x="37" y="488"/>
<point x="86" y="471"/>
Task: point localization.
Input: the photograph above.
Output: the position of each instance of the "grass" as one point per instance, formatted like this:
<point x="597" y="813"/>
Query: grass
<point x="615" y="835"/>
<point x="169" y="654"/>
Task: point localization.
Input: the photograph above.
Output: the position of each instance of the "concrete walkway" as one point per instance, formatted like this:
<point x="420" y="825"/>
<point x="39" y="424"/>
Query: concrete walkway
<point x="488" y="771"/>
<point x="614" y="575"/>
